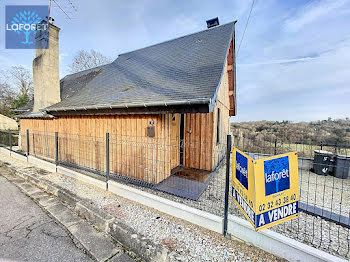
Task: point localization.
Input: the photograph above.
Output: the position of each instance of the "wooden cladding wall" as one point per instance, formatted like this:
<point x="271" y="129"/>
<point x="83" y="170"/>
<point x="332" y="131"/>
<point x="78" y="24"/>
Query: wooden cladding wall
<point x="222" y="103"/>
<point x="42" y="141"/>
<point x="231" y="75"/>
<point x="198" y="141"/>
<point x="132" y="153"/>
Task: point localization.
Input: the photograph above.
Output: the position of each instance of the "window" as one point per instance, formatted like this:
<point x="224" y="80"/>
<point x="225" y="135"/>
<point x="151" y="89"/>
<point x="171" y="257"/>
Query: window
<point x="218" y="128"/>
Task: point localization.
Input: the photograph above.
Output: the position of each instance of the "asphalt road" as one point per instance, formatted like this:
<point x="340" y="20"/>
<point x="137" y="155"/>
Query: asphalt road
<point x="27" y="233"/>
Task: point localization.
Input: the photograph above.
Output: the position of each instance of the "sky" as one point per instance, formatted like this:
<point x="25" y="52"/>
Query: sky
<point x="293" y="62"/>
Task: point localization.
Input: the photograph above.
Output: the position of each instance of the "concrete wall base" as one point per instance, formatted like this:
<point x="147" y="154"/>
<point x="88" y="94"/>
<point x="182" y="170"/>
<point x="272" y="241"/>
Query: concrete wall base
<point x="51" y="167"/>
<point x="267" y="240"/>
<point x="276" y="243"/>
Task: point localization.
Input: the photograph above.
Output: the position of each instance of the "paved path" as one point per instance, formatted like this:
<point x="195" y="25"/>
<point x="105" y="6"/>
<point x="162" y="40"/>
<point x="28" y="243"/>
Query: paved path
<point x="27" y="233"/>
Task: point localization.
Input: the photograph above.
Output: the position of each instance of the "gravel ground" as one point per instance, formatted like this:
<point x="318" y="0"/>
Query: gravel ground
<point x="193" y="243"/>
<point x="309" y="229"/>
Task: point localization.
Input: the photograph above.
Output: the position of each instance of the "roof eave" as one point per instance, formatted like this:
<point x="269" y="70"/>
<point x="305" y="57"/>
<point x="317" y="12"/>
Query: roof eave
<point x="34" y="115"/>
<point x="133" y="105"/>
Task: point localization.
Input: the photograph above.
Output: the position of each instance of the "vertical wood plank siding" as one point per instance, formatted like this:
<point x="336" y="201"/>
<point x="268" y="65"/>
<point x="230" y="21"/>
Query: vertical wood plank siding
<point x="224" y="105"/>
<point x="198" y="141"/>
<point x="132" y="153"/>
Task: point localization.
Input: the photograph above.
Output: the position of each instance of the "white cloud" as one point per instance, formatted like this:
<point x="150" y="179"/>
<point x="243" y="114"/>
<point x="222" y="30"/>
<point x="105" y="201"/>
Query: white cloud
<point x="281" y="61"/>
<point x="298" y="74"/>
<point x="314" y="12"/>
<point x="293" y="62"/>
<point x="62" y="56"/>
<point x="275" y="78"/>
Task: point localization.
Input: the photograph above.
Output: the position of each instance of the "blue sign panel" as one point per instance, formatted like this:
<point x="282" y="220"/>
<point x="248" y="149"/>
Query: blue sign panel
<point x="277" y="175"/>
<point x="273" y="183"/>
<point x="242" y="169"/>
<point x="23" y="23"/>
<point x="276" y="214"/>
<point x="244" y="205"/>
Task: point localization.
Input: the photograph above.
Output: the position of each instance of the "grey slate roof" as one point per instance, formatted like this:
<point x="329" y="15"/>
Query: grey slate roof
<point x="25" y="108"/>
<point x="180" y="71"/>
<point x="69" y="85"/>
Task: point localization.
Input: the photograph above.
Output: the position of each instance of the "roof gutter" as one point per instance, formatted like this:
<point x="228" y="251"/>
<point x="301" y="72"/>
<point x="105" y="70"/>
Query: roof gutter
<point x="133" y="105"/>
<point x="35" y="115"/>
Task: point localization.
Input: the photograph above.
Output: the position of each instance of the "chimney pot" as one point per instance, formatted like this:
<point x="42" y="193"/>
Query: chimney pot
<point x="213" y="22"/>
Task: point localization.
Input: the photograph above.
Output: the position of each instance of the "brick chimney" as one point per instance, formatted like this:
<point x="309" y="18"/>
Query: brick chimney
<point x="46" y="78"/>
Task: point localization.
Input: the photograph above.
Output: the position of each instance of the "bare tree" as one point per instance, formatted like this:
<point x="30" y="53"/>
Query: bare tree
<point x="84" y="60"/>
<point x="7" y="96"/>
<point x="23" y="80"/>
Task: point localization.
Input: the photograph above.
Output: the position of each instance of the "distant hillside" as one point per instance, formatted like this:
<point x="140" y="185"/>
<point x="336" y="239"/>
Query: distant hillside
<point x="328" y="131"/>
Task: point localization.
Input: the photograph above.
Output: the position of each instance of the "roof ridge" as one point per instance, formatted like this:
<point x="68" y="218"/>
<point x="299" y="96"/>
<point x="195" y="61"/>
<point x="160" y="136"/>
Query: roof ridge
<point x="86" y="70"/>
<point x="176" y="38"/>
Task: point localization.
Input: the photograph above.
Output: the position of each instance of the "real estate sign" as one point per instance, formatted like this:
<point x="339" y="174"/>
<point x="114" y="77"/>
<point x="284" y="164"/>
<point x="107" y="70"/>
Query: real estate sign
<point x="266" y="190"/>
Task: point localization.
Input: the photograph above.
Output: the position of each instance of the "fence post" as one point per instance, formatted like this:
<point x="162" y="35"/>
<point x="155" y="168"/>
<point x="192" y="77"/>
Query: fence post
<point x="275" y="146"/>
<point x="27" y="143"/>
<point x="227" y="184"/>
<point x="10" y="140"/>
<point x="107" y="159"/>
<point x="33" y="145"/>
<point x="56" y="149"/>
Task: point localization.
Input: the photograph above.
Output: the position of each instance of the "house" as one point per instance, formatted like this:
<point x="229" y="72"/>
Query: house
<point x="7" y="123"/>
<point x="165" y="107"/>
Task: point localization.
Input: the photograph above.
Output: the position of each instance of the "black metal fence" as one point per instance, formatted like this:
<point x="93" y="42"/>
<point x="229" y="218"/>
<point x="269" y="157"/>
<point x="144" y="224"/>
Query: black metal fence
<point x="183" y="169"/>
<point x="277" y="146"/>
<point x="9" y="138"/>
<point x="194" y="173"/>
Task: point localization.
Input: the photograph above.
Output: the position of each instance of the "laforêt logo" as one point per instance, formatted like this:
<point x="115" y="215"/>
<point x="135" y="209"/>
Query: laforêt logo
<point x="242" y="169"/>
<point x="276" y="175"/>
<point x="23" y="23"/>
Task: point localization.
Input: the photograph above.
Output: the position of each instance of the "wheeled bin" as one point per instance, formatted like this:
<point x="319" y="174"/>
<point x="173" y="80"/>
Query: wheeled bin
<point x="322" y="162"/>
<point x="341" y="166"/>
